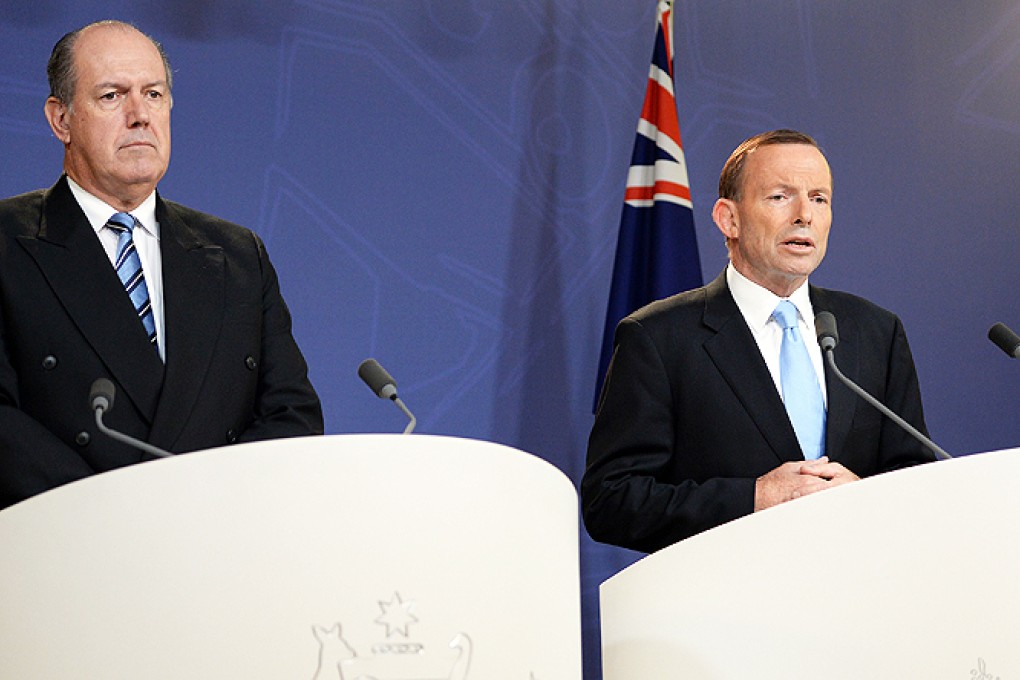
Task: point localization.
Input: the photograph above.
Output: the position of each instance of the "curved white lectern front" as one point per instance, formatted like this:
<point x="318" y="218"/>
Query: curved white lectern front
<point x="911" y="574"/>
<point x="326" y="558"/>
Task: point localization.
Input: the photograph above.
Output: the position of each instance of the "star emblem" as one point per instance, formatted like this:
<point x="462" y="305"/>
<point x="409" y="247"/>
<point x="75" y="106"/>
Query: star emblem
<point x="396" y="616"/>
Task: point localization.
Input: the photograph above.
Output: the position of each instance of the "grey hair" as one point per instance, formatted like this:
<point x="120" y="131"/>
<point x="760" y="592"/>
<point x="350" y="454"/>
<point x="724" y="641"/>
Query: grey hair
<point x="61" y="71"/>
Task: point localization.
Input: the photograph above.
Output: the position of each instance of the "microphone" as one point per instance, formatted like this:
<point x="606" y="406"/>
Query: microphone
<point x="101" y="400"/>
<point x="385" y="387"/>
<point x="825" y="328"/>
<point x="1005" y="339"/>
<point x="828" y="338"/>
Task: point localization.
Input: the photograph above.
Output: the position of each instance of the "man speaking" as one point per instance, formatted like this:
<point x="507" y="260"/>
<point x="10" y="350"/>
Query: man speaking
<point x="717" y="403"/>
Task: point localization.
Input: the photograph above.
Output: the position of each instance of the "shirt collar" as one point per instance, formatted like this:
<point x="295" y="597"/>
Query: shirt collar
<point x="757" y="303"/>
<point x="99" y="211"/>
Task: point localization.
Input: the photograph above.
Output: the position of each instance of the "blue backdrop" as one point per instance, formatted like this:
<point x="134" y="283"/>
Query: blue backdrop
<point x="440" y="181"/>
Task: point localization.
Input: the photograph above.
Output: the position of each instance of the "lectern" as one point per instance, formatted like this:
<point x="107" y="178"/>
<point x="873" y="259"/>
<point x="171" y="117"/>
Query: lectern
<point x="342" y="557"/>
<point x="910" y="574"/>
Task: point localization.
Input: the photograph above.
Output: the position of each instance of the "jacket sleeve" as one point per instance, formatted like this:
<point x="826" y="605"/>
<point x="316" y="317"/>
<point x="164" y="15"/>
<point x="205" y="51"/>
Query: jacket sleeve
<point x="631" y="495"/>
<point x="286" y="404"/>
<point x="902" y="394"/>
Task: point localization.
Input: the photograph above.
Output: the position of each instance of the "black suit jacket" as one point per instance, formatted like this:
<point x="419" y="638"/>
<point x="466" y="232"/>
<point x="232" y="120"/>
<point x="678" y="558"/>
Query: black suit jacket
<point x="689" y="416"/>
<point x="233" y="371"/>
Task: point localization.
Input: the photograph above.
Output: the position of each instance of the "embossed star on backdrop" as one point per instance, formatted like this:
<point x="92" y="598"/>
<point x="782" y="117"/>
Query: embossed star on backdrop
<point x="396" y="616"/>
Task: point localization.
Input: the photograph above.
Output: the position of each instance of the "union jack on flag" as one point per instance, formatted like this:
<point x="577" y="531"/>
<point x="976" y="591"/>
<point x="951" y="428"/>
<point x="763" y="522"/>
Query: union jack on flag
<point x="657" y="250"/>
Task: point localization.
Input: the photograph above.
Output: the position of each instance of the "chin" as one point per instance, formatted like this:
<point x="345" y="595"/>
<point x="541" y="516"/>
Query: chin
<point x="145" y="175"/>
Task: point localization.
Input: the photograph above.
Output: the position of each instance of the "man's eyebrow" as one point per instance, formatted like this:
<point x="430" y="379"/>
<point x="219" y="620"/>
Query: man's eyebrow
<point x="118" y="85"/>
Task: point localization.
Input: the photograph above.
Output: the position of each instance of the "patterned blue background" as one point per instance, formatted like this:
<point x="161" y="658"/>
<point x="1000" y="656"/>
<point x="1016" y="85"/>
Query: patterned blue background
<point x="440" y="181"/>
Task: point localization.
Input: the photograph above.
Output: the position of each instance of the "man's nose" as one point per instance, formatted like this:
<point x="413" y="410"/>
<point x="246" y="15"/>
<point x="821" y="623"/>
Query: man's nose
<point x="136" y="109"/>
<point x="802" y="211"/>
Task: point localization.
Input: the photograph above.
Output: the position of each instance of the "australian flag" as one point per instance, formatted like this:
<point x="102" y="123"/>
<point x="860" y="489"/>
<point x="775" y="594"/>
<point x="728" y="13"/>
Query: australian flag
<point x="657" y="250"/>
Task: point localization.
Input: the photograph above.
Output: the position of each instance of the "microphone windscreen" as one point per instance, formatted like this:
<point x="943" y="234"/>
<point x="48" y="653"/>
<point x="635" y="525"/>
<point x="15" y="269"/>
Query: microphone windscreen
<point x="825" y="330"/>
<point x="1005" y="339"/>
<point x="377" y="379"/>
<point x="101" y="394"/>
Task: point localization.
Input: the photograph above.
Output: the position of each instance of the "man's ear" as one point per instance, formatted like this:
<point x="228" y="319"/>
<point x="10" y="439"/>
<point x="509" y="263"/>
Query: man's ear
<point x="57" y="115"/>
<point x="725" y="216"/>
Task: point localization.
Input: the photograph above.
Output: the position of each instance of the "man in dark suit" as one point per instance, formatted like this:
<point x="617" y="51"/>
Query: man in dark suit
<point x="691" y="429"/>
<point x="201" y="353"/>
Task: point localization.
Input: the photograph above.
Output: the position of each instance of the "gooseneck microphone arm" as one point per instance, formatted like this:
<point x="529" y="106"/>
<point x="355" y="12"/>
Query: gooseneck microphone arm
<point x="412" y="422"/>
<point x="101" y="400"/>
<point x="385" y="387"/>
<point x="828" y="338"/>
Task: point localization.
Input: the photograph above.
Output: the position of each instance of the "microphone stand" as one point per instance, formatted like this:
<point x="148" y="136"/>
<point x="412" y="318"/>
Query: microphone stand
<point x="126" y="439"/>
<point x="935" y="448"/>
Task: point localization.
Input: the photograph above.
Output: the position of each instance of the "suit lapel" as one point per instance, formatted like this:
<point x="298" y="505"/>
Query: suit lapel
<point x="739" y="361"/>
<point x="841" y="401"/>
<point x="84" y="282"/>
<point x="193" y="308"/>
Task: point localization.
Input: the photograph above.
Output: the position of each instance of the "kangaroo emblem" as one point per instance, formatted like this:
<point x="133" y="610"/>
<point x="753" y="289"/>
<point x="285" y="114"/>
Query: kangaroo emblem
<point x="335" y="653"/>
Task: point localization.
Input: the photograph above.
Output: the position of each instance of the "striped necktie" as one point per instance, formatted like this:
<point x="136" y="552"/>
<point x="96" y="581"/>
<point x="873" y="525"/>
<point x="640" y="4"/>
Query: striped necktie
<point x="129" y="270"/>
<point x="802" y="394"/>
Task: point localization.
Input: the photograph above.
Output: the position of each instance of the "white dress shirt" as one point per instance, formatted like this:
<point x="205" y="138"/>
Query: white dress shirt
<point x="757" y="304"/>
<point x="146" y="237"/>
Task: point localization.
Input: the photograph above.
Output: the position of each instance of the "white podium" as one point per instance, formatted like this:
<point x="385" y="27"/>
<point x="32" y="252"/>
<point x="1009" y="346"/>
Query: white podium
<point x="911" y="574"/>
<point x="342" y="557"/>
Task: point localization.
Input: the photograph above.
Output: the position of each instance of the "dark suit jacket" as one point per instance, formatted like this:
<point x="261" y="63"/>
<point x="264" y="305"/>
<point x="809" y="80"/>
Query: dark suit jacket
<point x="233" y="371"/>
<point x="689" y="415"/>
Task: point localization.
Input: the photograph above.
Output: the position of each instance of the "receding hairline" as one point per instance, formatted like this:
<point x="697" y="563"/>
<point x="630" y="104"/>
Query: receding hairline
<point x="731" y="179"/>
<point x="116" y="25"/>
<point x="62" y="70"/>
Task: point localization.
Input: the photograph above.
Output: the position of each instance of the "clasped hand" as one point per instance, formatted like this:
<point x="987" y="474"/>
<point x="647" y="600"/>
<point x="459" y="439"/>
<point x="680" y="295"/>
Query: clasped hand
<point x="798" y="478"/>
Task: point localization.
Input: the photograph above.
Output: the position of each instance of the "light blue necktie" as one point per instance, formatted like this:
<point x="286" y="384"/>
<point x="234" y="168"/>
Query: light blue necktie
<point x="129" y="270"/>
<point x="801" y="392"/>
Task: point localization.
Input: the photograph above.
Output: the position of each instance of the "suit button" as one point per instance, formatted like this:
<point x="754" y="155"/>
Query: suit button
<point x="231" y="437"/>
<point x="49" y="362"/>
<point x="250" y="362"/>
<point x="82" y="438"/>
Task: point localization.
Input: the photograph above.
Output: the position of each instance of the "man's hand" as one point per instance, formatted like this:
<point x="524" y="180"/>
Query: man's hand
<point x="798" y="478"/>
